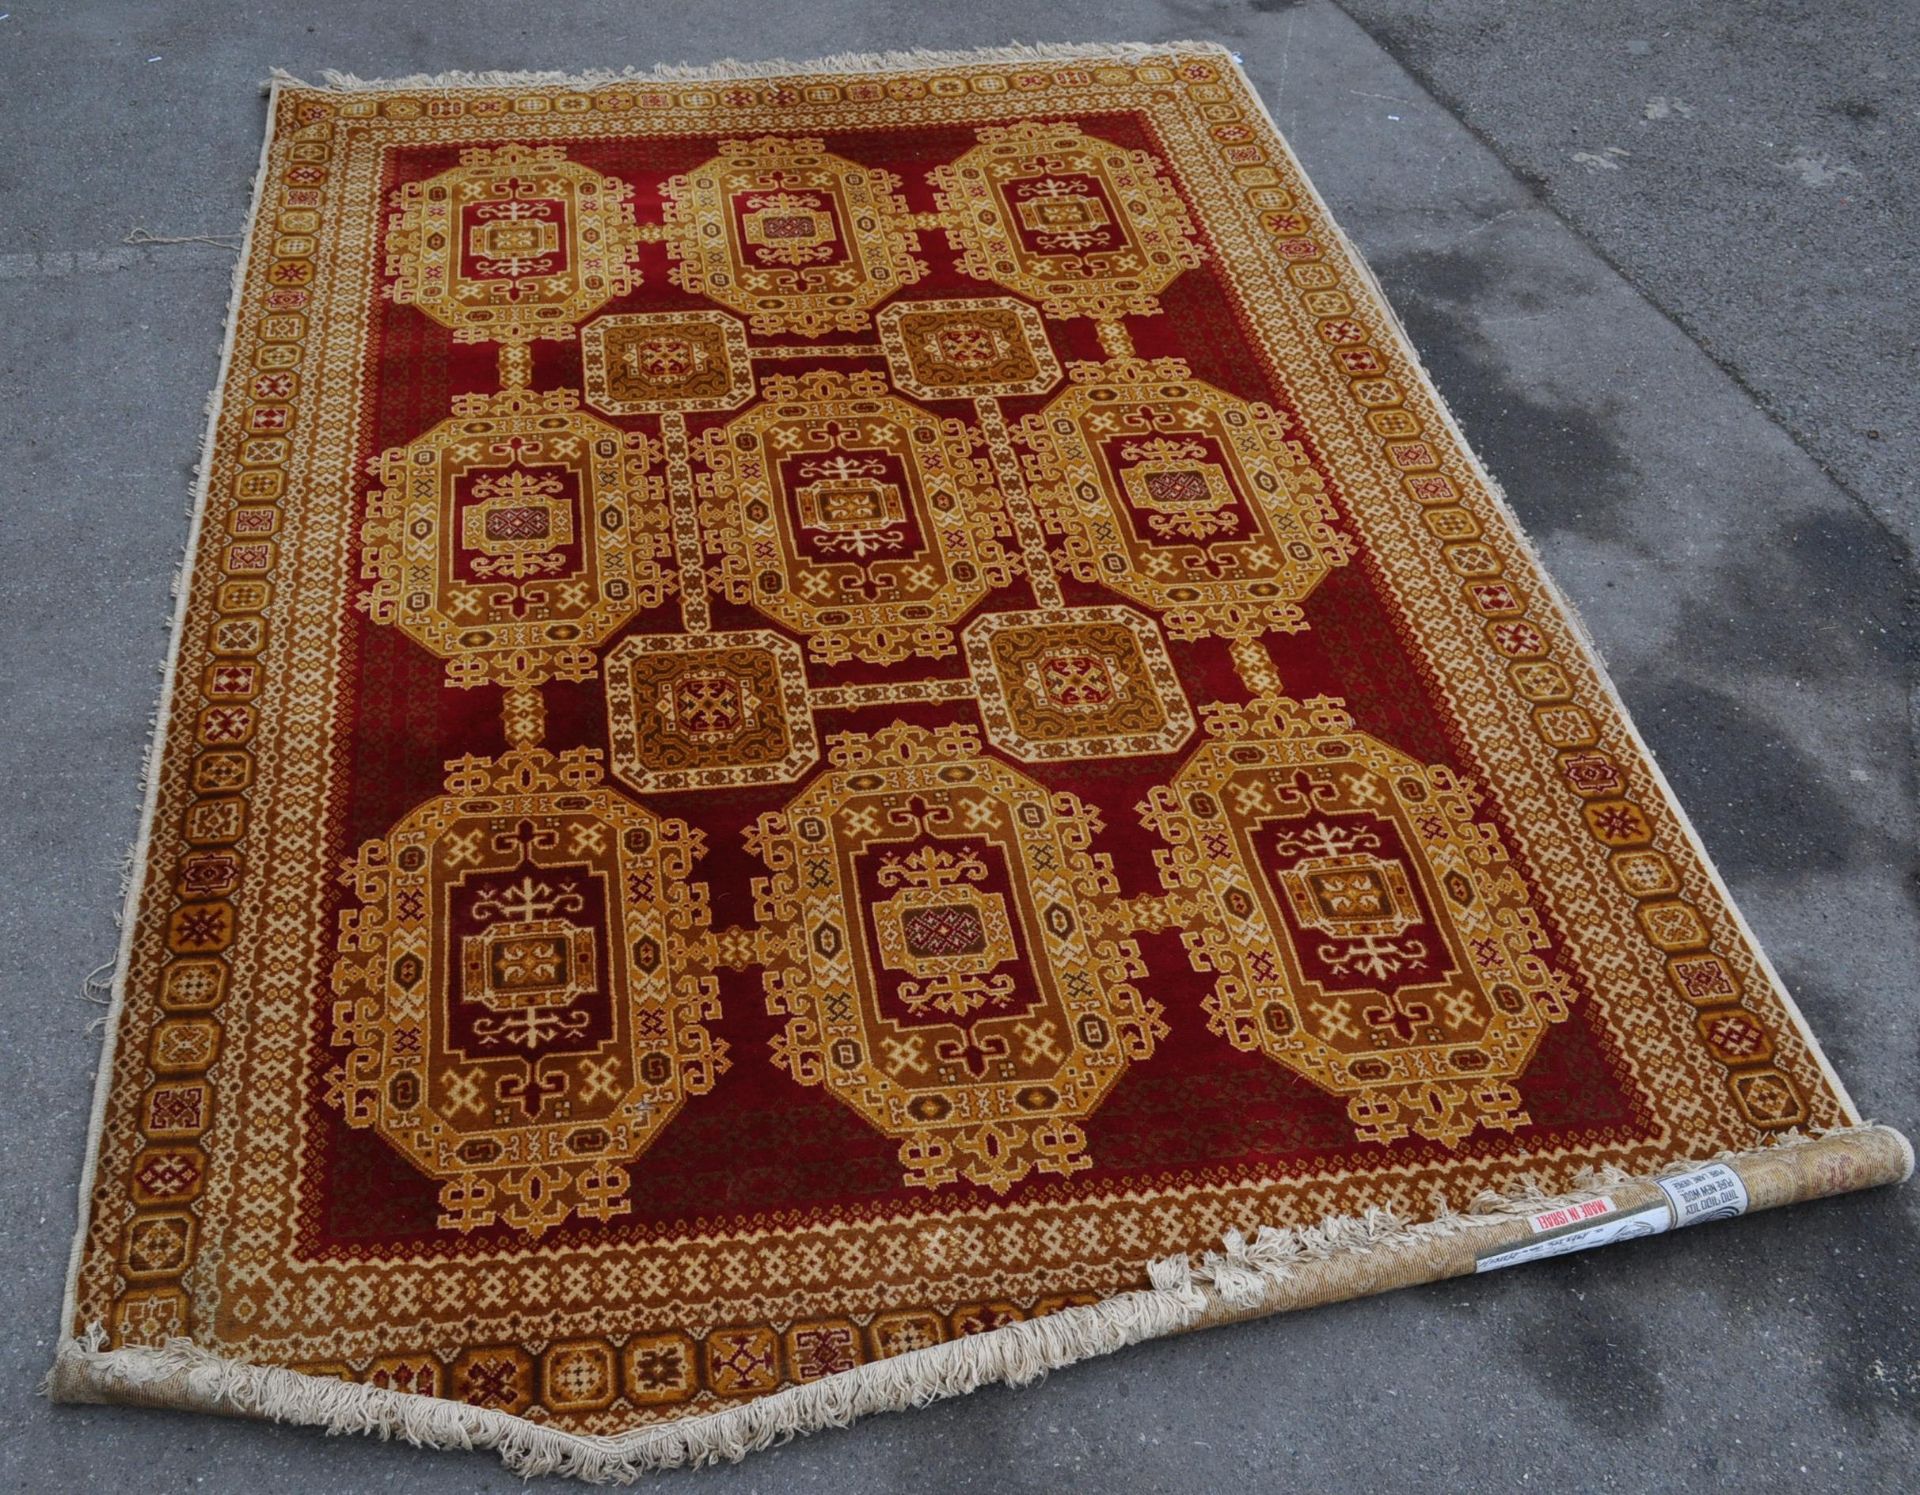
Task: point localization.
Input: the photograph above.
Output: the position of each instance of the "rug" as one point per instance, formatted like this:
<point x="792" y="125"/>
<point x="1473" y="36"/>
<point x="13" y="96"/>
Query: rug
<point x="842" y="730"/>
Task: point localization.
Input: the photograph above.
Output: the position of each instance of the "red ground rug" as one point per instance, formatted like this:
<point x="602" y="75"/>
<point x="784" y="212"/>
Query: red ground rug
<point x="842" y="731"/>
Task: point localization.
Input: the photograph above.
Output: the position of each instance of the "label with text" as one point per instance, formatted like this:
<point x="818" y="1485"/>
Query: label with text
<point x="1714" y="1192"/>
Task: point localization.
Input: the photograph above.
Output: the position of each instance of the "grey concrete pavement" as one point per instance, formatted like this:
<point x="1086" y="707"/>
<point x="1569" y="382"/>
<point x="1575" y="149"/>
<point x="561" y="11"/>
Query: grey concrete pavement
<point x="1754" y="610"/>
<point x="1750" y="166"/>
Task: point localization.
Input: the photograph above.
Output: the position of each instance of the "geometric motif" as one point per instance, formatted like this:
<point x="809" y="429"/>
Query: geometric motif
<point x="941" y="963"/>
<point x="579" y="1376"/>
<point x="159" y="1244"/>
<point x="1367" y="931"/>
<point x="991" y="346"/>
<point x="1767" y="1098"/>
<point x="1183" y="498"/>
<point x="741" y="1362"/>
<point x="708" y="711"/>
<point x="511" y="244"/>
<point x="1092" y="682"/>
<point x="647" y="363"/>
<point x="497" y="1377"/>
<point x="852" y="517"/>
<point x="515" y="993"/>
<point x="660" y="1368"/>
<point x="1082" y="226"/>
<point x="514" y="537"/>
<point x="795" y="237"/>
<point x="816" y="1350"/>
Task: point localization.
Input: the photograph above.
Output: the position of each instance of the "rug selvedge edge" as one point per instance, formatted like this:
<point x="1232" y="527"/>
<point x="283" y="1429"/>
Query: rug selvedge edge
<point x="153" y="762"/>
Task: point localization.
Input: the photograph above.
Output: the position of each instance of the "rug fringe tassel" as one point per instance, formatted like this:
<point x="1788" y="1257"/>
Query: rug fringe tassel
<point x="776" y="67"/>
<point x="1273" y="1270"/>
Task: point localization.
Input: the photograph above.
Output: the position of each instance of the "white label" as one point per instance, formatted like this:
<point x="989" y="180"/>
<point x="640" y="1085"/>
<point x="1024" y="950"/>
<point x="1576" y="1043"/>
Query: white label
<point x="1714" y="1192"/>
<point x="1610" y="1226"/>
<point x="1571" y="1214"/>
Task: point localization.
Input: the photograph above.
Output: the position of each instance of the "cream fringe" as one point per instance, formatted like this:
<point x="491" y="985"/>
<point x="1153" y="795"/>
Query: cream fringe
<point x="777" y="67"/>
<point x="1272" y="1271"/>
